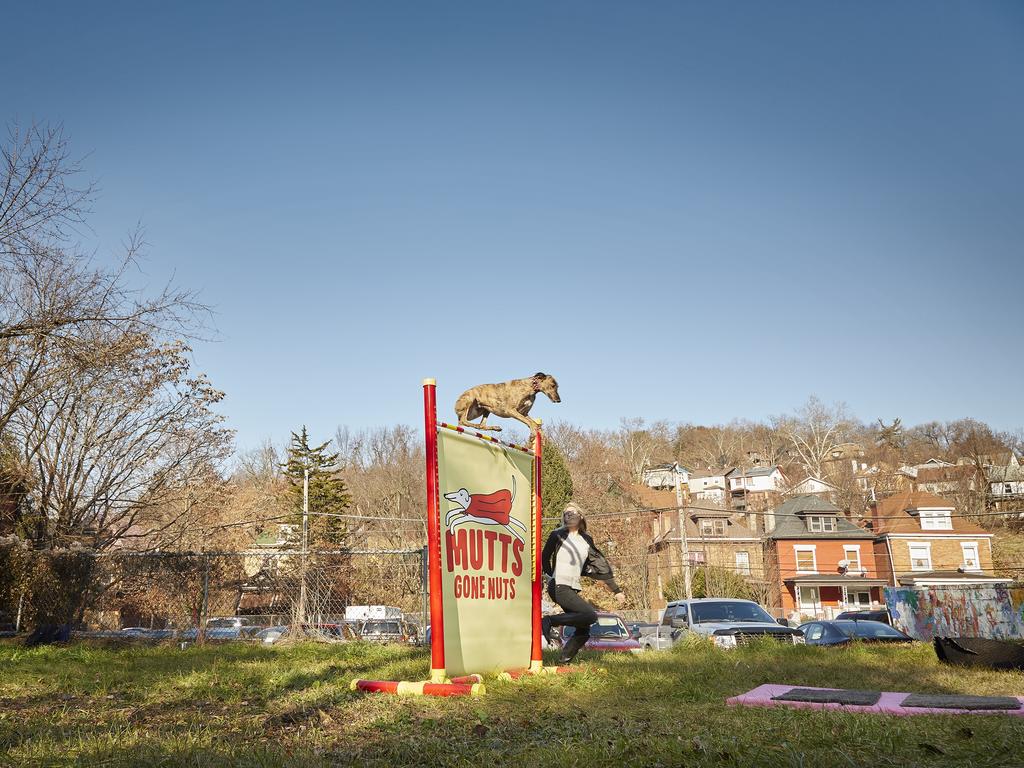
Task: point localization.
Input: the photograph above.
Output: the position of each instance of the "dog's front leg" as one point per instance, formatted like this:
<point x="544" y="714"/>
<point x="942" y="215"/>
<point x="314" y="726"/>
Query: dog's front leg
<point x="533" y="425"/>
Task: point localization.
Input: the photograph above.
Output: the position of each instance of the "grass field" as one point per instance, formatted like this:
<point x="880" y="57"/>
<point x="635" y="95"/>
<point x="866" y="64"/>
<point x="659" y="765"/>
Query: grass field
<point x="242" y="705"/>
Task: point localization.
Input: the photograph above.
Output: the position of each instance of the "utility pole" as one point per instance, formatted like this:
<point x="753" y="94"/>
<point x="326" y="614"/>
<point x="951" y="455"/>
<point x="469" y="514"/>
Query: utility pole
<point x="687" y="581"/>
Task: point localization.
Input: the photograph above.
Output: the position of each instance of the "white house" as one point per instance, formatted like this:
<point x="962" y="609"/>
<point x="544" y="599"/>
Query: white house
<point x="708" y="485"/>
<point x="1006" y="479"/>
<point x="756" y="479"/>
<point x="665" y="476"/>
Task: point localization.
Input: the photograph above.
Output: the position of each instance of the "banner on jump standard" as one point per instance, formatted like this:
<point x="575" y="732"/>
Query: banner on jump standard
<point x="487" y="550"/>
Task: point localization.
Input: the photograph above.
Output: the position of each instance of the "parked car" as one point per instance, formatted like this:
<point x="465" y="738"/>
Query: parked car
<point x="638" y="629"/>
<point x="325" y="631"/>
<point x="845" y="632"/>
<point x="608" y="633"/>
<point x="271" y="635"/>
<point x="387" y="631"/>
<point x="724" y="621"/>
<point x="227" y="628"/>
<point x="882" y="616"/>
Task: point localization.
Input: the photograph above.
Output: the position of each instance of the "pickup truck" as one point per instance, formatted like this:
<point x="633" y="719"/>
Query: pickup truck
<point x="724" y="621"/>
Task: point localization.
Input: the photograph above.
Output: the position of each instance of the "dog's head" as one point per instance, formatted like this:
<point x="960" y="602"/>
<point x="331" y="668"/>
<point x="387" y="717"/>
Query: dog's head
<point x="546" y="383"/>
<point x="460" y="497"/>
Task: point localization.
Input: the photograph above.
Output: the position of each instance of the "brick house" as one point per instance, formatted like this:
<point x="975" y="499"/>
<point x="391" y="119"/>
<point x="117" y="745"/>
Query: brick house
<point x="715" y="537"/>
<point x="823" y="563"/>
<point x="920" y="541"/>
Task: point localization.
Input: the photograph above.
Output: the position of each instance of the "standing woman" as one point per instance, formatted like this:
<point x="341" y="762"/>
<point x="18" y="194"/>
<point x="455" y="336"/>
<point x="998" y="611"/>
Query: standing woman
<point x="568" y="555"/>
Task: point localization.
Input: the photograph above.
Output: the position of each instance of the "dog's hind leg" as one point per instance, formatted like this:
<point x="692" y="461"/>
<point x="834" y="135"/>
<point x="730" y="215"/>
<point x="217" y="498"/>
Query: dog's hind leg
<point x="474" y="410"/>
<point x="481" y="425"/>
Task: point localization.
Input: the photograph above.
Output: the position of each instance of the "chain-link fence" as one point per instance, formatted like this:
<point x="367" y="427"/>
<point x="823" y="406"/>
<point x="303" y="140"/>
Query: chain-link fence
<point x="211" y="595"/>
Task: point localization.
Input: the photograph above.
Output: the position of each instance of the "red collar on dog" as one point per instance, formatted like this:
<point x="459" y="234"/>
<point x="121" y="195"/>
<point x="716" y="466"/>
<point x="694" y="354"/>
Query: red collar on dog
<point x="536" y="385"/>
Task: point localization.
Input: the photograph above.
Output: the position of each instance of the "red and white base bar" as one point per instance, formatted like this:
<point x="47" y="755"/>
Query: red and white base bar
<point x="421" y="688"/>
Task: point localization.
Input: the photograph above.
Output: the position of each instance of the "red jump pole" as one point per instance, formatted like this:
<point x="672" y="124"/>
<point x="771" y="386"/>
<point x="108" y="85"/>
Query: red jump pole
<point x="437" y="668"/>
<point x="536" y="655"/>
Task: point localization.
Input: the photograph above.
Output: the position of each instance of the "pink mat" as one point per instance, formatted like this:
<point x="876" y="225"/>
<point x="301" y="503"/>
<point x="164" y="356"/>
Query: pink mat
<point x="889" y="704"/>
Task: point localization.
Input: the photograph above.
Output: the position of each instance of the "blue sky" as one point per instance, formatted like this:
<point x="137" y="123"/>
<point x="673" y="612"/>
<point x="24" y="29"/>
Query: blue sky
<point x="687" y="211"/>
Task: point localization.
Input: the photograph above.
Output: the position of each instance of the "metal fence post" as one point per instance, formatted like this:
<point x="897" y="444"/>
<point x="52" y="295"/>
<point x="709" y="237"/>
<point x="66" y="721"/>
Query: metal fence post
<point x="201" y="629"/>
<point x="424" y="582"/>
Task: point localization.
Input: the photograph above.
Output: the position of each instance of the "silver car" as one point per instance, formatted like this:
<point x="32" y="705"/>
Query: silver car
<point x="724" y="621"/>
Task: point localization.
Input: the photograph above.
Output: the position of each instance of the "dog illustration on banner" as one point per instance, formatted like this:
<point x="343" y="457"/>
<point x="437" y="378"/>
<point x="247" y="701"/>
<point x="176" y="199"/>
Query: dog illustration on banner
<point x="484" y="508"/>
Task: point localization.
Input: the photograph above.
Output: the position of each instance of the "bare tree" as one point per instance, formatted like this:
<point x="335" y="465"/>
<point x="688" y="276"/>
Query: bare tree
<point x="639" y="443"/>
<point x="815" y="431"/>
<point x="118" y="449"/>
<point x="384" y="469"/>
<point x="54" y="302"/>
<point x="39" y="199"/>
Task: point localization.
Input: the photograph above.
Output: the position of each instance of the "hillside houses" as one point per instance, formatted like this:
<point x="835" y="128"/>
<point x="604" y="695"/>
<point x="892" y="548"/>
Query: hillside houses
<point x="811" y="557"/>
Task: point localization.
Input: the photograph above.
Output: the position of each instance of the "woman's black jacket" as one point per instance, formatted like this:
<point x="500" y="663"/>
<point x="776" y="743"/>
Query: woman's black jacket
<point x="594" y="567"/>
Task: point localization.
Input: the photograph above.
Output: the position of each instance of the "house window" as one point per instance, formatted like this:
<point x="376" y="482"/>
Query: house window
<point x="920" y="557"/>
<point x="852" y="556"/>
<point x="805" y="560"/>
<point x="860" y="599"/>
<point x="712" y="527"/>
<point x="1007" y="488"/>
<point x="936" y="520"/>
<point x="697" y="558"/>
<point x="971" y="560"/>
<point x="743" y="563"/>
<point x="821" y="524"/>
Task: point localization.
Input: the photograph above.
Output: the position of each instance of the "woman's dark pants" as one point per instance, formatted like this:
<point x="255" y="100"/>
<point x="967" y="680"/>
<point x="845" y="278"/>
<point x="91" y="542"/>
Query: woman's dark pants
<point x="578" y="613"/>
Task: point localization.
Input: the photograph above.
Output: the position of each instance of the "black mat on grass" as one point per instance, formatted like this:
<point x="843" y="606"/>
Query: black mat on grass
<point x="952" y="701"/>
<point x="836" y="696"/>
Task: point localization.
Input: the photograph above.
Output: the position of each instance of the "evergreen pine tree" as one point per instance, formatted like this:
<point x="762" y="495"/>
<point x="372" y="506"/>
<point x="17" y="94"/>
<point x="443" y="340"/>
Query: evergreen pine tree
<point x="328" y="493"/>
<point x="556" y="484"/>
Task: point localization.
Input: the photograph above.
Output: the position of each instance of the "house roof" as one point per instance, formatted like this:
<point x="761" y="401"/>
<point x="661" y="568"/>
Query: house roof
<point x="753" y="471"/>
<point x="892" y="514"/>
<point x="733" y="529"/>
<point x="654" y="498"/>
<point x="1007" y="474"/>
<point x="666" y="466"/>
<point x="791" y="516"/>
<point x="697" y="474"/>
<point x="695" y="512"/>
